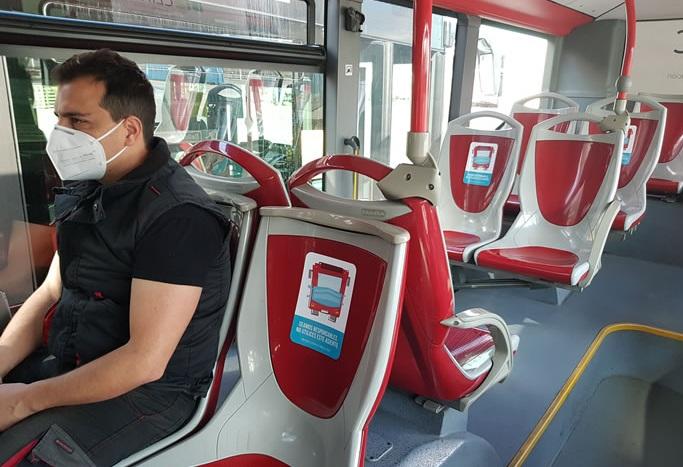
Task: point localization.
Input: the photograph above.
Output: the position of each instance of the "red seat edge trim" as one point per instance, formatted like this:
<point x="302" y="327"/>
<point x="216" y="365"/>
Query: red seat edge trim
<point x="662" y="186"/>
<point x="620" y="221"/>
<point x="247" y="460"/>
<point x="20" y="455"/>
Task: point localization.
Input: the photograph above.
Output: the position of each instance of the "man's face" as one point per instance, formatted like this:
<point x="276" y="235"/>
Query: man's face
<point x="78" y="107"/>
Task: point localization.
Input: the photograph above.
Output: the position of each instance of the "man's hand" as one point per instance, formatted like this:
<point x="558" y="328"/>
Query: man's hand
<point x="12" y="406"/>
<point x="25" y="330"/>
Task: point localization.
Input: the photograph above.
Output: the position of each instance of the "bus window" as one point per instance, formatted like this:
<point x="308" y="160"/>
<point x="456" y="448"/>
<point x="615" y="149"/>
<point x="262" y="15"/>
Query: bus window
<point x="25" y="239"/>
<point x="510" y="65"/>
<point x="272" y="20"/>
<point x="262" y="110"/>
<point x="386" y="78"/>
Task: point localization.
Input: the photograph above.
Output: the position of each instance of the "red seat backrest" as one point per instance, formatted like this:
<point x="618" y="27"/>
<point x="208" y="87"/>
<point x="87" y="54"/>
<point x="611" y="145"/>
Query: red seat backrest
<point x="314" y="382"/>
<point x="645" y="133"/>
<point x="469" y="197"/>
<point x="565" y="200"/>
<point x="528" y="121"/>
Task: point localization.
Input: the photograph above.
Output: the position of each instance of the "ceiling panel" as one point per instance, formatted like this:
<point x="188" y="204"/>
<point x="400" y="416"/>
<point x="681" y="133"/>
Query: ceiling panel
<point x="540" y="15"/>
<point x="651" y="9"/>
<point x="591" y="7"/>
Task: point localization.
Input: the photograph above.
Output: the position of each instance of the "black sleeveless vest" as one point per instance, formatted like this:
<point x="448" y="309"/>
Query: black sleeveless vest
<point x="98" y="227"/>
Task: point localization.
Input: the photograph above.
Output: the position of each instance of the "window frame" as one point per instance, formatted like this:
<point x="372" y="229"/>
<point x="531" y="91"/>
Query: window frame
<point x="25" y="29"/>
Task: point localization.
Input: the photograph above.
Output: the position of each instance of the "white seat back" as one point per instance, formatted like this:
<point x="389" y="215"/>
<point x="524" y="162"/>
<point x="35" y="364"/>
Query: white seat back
<point x="670" y="167"/>
<point x="642" y="146"/>
<point x="567" y="188"/>
<point x="478" y="168"/>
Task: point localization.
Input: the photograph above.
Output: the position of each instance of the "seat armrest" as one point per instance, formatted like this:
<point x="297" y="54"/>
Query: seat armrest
<point x="502" y="357"/>
<point x="600" y="233"/>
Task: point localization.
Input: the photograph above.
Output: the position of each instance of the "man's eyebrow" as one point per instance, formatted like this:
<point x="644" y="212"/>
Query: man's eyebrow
<point x="71" y="114"/>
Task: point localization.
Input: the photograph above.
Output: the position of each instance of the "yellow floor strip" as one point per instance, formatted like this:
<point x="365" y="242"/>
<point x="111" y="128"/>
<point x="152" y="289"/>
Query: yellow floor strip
<point x="569" y="385"/>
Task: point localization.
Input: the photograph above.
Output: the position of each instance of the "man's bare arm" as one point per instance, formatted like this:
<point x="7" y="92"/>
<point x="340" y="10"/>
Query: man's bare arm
<point x="24" y="332"/>
<point x="159" y="315"/>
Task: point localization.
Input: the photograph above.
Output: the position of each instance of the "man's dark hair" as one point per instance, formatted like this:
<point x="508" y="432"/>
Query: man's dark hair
<point x="128" y="91"/>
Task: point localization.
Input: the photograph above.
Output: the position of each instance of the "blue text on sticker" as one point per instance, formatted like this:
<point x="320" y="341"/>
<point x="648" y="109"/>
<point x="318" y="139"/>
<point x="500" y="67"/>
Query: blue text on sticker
<point x="316" y="336"/>
<point x="477" y="178"/>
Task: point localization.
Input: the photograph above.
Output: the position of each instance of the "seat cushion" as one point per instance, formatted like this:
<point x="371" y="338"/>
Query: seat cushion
<point x="512" y="205"/>
<point x="540" y="262"/>
<point x="456" y="242"/>
<point x="620" y="221"/>
<point x="464" y="344"/>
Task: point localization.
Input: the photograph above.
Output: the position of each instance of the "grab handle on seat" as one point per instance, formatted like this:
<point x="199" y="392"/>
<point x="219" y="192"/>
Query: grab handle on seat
<point x="271" y="190"/>
<point x="463" y="120"/>
<point x="502" y="357"/>
<point x="360" y="165"/>
<point x="570" y="103"/>
<point x="570" y="117"/>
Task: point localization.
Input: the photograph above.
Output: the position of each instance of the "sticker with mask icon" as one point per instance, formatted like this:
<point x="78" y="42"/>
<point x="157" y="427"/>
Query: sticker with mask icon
<point x="481" y="160"/>
<point x="629" y="144"/>
<point x="322" y="307"/>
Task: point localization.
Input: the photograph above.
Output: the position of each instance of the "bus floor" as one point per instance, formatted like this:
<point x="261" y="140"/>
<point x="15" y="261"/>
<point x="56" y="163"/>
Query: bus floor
<point x="640" y="282"/>
<point x="554" y="338"/>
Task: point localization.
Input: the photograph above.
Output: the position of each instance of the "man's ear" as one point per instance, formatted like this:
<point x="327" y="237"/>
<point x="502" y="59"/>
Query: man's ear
<point x="133" y="127"/>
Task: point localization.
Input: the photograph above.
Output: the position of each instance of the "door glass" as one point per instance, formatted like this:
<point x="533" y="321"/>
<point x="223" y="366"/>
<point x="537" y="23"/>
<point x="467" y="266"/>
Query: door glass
<point x="510" y="66"/>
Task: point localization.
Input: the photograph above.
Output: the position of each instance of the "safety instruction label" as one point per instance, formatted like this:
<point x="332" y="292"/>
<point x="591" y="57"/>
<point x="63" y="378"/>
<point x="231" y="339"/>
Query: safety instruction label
<point x="480" y="163"/>
<point x="322" y="307"/>
<point x="629" y="144"/>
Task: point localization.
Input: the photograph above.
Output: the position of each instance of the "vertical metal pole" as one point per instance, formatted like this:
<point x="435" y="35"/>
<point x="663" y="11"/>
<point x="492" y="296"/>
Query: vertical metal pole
<point x="624" y="82"/>
<point x="422" y="45"/>
<point x="418" y="138"/>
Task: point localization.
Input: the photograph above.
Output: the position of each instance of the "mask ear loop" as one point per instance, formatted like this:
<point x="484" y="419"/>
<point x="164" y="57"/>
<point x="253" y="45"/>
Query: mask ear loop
<point x="111" y="159"/>
<point x="112" y="130"/>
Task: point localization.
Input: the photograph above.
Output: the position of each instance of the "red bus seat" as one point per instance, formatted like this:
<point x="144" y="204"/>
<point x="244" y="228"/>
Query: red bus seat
<point x="550" y="104"/>
<point x="642" y="146"/>
<point x="567" y="191"/>
<point x="667" y="178"/>
<point x="437" y="350"/>
<point x="308" y="388"/>
<point x="478" y="169"/>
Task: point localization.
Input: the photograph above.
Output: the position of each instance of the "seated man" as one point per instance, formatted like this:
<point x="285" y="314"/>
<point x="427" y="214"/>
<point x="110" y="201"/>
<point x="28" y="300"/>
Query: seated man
<point x="140" y="279"/>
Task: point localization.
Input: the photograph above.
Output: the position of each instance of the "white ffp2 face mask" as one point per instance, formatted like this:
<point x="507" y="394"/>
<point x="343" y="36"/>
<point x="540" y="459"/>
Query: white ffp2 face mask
<point x="78" y="156"/>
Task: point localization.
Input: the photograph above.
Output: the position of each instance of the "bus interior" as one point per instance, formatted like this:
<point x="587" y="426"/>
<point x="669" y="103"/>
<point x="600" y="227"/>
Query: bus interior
<point x="456" y="225"/>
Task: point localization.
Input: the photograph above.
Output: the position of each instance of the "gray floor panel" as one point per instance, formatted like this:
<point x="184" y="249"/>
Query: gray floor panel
<point x="627" y="423"/>
<point x="640" y="282"/>
<point x="554" y="338"/>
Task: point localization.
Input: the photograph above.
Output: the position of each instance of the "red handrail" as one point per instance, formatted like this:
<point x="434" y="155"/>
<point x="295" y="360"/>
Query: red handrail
<point x="271" y="191"/>
<point x="361" y="165"/>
